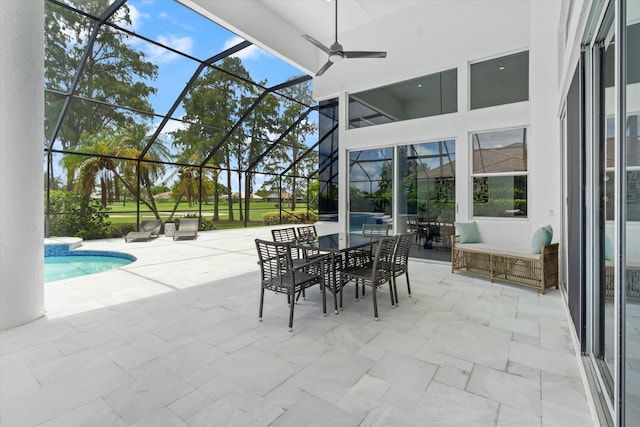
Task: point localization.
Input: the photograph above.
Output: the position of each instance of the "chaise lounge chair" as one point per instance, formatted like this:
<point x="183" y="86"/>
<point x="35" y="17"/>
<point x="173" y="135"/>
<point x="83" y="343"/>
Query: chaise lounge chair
<point x="187" y="228"/>
<point x="148" y="228"/>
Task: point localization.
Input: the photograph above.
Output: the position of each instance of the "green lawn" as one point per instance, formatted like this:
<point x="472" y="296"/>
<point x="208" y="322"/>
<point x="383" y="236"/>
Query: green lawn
<point x="119" y="214"/>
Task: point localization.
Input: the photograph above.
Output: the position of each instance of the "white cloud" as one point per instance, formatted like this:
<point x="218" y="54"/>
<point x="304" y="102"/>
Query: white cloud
<point x="160" y="55"/>
<point x="136" y="17"/>
<point x="171" y="126"/>
<point x="250" y="53"/>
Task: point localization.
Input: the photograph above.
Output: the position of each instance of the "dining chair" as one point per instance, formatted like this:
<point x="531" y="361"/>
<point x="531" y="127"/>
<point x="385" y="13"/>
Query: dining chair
<point x="400" y="263"/>
<point x="446" y="231"/>
<point x="287" y="235"/>
<point x="279" y="274"/>
<point x="284" y="234"/>
<point x="376" y="273"/>
<point x="370" y="229"/>
<point x="307" y="231"/>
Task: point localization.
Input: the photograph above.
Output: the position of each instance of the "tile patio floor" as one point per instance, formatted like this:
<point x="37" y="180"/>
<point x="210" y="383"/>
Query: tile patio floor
<point x="174" y="340"/>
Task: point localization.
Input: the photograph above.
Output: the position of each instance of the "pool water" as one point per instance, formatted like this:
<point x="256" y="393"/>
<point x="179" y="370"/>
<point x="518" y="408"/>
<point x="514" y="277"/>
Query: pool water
<point x="80" y="263"/>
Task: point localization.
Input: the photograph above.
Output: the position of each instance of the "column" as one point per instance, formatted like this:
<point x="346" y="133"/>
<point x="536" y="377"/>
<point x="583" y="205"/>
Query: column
<point x="21" y="162"/>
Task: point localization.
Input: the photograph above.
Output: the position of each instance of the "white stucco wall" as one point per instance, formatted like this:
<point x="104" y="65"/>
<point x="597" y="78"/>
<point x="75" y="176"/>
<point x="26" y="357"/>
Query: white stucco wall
<point x="523" y="26"/>
<point x="22" y="135"/>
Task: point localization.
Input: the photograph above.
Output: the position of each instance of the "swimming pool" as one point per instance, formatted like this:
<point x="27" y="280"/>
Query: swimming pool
<point x="80" y="263"/>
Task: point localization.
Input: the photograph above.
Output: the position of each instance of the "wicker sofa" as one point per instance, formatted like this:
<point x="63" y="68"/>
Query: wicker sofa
<point x="539" y="271"/>
<point x="632" y="278"/>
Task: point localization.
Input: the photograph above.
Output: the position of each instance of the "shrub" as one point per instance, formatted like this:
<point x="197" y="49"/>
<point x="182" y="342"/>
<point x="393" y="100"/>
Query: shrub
<point x="273" y="218"/>
<point x="120" y="230"/>
<point x="76" y="215"/>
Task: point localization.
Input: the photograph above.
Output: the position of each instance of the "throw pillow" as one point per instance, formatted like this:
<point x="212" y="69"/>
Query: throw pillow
<point x="608" y="248"/>
<point x="468" y="232"/>
<point x="541" y="238"/>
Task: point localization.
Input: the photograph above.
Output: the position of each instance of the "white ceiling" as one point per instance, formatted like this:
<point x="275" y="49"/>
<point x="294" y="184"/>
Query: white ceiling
<point x="420" y="36"/>
<point x="276" y="25"/>
<point x="317" y="17"/>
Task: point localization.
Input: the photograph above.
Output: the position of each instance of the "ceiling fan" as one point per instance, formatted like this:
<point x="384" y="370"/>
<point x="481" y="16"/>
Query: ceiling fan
<point x="337" y="53"/>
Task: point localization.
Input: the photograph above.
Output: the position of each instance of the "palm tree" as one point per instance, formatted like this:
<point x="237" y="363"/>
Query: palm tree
<point x="117" y="159"/>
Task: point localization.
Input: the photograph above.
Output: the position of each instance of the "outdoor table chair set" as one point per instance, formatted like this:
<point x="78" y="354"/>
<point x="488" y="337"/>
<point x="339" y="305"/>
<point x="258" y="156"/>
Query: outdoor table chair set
<point x="295" y="261"/>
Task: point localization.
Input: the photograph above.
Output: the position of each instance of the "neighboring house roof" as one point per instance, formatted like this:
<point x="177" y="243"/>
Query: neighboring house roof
<point x="494" y="160"/>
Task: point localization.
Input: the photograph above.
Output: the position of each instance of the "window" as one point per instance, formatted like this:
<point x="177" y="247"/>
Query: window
<point x="500" y="173"/>
<point x="424" y="96"/>
<point x="328" y="176"/>
<point x="500" y="81"/>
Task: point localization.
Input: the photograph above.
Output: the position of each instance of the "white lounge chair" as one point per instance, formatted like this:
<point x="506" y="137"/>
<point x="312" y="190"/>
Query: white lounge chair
<point x="187" y="228"/>
<point x="148" y="228"/>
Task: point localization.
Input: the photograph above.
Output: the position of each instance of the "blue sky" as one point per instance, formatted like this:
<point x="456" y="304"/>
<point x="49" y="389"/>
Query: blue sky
<point x="174" y="25"/>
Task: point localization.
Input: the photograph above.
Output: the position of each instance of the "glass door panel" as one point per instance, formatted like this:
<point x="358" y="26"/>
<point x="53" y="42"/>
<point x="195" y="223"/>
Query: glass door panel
<point x="632" y="275"/>
<point x="370" y="187"/>
<point x="426" y="196"/>
<point x="605" y="294"/>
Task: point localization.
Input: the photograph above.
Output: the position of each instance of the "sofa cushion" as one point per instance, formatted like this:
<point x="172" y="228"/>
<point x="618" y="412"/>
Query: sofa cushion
<point x="498" y="250"/>
<point x="468" y="232"/>
<point x="541" y="237"/>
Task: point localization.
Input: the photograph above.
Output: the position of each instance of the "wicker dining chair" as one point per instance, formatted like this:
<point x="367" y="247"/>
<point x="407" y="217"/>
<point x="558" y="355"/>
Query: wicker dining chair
<point x="369" y="229"/>
<point x="279" y="274"/>
<point x="375" y="274"/>
<point x="288" y="235"/>
<point x="307" y="231"/>
<point x="400" y="264"/>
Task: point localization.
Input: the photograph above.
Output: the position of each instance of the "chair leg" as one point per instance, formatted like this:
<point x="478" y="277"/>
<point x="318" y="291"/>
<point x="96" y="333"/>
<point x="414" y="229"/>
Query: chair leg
<point x="408" y="284"/>
<point x="261" y="304"/>
<point x="335" y="296"/>
<point x="375" y="303"/>
<point x="395" y="289"/>
<point x="392" y="293"/>
<point x="323" y="289"/>
<point x="291" y="306"/>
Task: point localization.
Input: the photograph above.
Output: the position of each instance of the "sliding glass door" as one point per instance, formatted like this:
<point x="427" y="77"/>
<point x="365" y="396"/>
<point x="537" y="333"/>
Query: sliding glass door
<point x="370" y="187"/>
<point x="420" y="180"/>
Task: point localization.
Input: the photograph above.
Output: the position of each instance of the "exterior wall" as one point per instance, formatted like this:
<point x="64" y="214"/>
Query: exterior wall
<point x="21" y="204"/>
<point x="524" y="25"/>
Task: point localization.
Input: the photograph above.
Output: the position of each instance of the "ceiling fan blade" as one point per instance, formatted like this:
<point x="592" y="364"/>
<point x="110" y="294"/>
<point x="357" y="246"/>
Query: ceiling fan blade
<point x="316" y="43"/>
<point x="324" y="68"/>
<point x="364" y="54"/>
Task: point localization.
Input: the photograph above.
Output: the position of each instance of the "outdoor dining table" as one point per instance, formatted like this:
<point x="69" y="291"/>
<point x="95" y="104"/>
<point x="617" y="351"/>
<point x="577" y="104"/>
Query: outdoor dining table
<point x="336" y="247"/>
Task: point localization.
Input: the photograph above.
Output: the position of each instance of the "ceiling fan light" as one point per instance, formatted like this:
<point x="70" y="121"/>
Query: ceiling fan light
<point x="336" y="56"/>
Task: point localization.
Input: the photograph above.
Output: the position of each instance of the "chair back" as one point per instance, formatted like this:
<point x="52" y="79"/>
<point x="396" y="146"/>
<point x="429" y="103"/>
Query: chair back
<point x="287" y="235"/>
<point x="401" y="255"/>
<point x="383" y="259"/>
<point x="446" y="231"/>
<point x="307" y="231"/>
<point x="375" y="229"/>
<point x="188" y="224"/>
<point x="152" y="225"/>
<point x="274" y="259"/>
<point x="284" y="234"/>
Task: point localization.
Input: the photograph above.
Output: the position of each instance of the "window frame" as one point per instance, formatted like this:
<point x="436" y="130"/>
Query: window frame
<point x="473" y="175"/>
